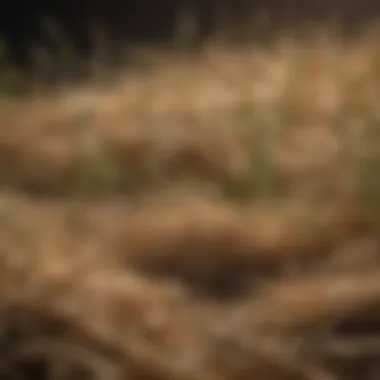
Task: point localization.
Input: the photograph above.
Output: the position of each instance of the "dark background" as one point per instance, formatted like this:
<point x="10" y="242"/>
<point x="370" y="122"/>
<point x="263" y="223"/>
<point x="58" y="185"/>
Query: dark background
<point x="24" y="24"/>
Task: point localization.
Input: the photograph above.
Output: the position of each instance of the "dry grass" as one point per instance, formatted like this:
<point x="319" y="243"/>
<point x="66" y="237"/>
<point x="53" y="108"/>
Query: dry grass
<point x="214" y="218"/>
<point x="277" y="121"/>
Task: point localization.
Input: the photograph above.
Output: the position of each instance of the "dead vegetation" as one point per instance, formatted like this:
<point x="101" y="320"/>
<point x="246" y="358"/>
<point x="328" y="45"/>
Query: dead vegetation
<point x="215" y="218"/>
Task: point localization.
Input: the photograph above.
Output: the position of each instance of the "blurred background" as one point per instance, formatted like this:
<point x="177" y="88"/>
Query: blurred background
<point x="87" y="25"/>
<point x="189" y="190"/>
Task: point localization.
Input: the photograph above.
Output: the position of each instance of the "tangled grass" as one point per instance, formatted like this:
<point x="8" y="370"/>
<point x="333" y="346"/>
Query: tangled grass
<point x="216" y="217"/>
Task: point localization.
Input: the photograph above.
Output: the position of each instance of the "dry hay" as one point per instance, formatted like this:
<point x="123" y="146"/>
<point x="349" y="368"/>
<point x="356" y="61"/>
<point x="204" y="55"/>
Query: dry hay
<point x="184" y="289"/>
<point x="179" y="281"/>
